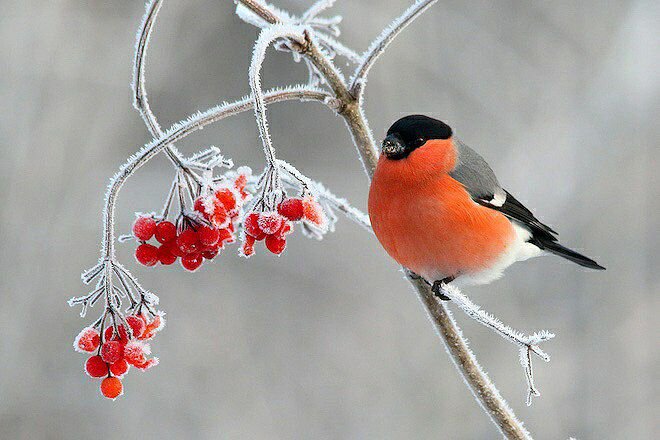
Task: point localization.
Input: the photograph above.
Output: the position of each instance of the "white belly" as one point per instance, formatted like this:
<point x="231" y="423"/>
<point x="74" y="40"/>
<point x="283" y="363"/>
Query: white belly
<point x="518" y="250"/>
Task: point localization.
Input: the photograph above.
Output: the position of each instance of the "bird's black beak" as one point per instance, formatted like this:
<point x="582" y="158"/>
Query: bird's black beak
<point x="393" y="147"/>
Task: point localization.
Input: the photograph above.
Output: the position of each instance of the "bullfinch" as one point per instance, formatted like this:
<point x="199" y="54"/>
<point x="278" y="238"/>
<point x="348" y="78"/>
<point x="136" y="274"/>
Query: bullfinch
<point x="437" y="208"/>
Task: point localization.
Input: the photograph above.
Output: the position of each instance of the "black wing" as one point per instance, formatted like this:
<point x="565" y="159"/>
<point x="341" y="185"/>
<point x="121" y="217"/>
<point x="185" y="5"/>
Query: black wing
<point x="474" y="173"/>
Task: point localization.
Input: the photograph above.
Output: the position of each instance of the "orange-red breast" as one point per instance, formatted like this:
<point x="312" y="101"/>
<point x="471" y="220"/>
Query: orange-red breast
<point x="437" y="208"/>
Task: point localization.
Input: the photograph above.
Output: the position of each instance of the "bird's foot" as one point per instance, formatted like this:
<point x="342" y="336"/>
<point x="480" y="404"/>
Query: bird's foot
<point x="437" y="287"/>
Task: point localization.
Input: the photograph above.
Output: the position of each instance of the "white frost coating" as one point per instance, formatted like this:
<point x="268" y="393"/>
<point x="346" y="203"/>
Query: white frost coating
<point x="379" y="45"/>
<point x="245" y="14"/>
<point x="474" y="360"/>
<point x="316" y="9"/>
<point x="338" y="47"/>
<point x="179" y="131"/>
<point x="528" y="343"/>
<point x="327" y="198"/>
<point x="140" y="101"/>
<point x="272" y="183"/>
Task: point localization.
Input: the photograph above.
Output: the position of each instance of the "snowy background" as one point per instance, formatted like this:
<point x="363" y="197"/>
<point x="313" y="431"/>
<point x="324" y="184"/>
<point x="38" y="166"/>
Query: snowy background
<point x="329" y="342"/>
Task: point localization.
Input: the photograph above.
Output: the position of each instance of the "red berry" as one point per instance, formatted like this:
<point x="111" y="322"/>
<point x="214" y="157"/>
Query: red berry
<point x="199" y="206"/>
<point x="111" y="387"/>
<point x="147" y="364"/>
<point x="226" y="236"/>
<point x="252" y="228"/>
<point x="135" y="352"/>
<point x="137" y="325"/>
<point x="313" y="212"/>
<point x="87" y="340"/>
<point x="110" y="335"/>
<point x="270" y="222"/>
<point x="227" y="198"/>
<point x="165" y="232"/>
<point x="119" y="368"/>
<point x="220" y="216"/>
<point x="152" y="327"/>
<point x="165" y="254"/>
<point x="144" y="228"/>
<point x="146" y="254"/>
<point x="247" y="249"/>
<point x="187" y="242"/>
<point x="192" y="262"/>
<point x="208" y="236"/>
<point x="286" y="228"/>
<point x="275" y="244"/>
<point x="210" y="253"/>
<point x="291" y="209"/>
<point x="240" y="183"/>
<point x="96" y="367"/>
<point x="174" y="249"/>
<point x="112" y="351"/>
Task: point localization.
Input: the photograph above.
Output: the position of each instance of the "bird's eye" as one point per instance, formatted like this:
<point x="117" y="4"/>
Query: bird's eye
<point x="419" y="142"/>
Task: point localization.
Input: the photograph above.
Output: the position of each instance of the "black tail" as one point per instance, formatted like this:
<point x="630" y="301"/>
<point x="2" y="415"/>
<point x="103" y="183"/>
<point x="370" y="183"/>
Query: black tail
<point x="557" y="249"/>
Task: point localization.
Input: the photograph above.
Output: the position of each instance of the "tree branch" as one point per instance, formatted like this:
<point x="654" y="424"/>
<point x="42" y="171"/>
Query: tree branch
<point x="140" y="101"/>
<point x="384" y="39"/>
<point x="180" y="131"/>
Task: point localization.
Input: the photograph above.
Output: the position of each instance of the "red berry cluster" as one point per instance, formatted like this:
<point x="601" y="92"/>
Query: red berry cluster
<point x="118" y="350"/>
<point x="195" y="239"/>
<point x="273" y="227"/>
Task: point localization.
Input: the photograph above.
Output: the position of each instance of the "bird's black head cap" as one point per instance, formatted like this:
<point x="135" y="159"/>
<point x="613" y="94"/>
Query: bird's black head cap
<point x="411" y="132"/>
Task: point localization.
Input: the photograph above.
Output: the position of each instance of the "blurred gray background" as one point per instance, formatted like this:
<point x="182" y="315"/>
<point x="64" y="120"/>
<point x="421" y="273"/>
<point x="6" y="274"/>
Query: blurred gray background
<point x="329" y="342"/>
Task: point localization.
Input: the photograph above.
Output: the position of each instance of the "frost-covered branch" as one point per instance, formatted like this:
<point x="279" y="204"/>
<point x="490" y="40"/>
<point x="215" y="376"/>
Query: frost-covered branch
<point x="379" y="45"/>
<point x="140" y="101"/>
<point x="528" y="344"/>
<point x="328" y="199"/>
<point x="483" y="389"/>
<point x="272" y="191"/>
<point x="181" y="130"/>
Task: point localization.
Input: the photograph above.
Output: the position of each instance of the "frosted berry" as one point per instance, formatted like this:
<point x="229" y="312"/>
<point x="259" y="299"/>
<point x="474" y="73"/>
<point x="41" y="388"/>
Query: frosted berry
<point x="111" y="387"/>
<point x="192" y="262"/>
<point x="270" y="222"/>
<point x="227" y="198"/>
<point x="147" y="364"/>
<point x="110" y="334"/>
<point x="146" y="254"/>
<point x="313" y="212"/>
<point x="208" y="236"/>
<point x="210" y="253"/>
<point x="247" y="249"/>
<point x="187" y="242"/>
<point x="219" y="217"/>
<point x="137" y="325"/>
<point x="275" y="244"/>
<point x="291" y="209"/>
<point x="144" y="228"/>
<point x="152" y="327"/>
<point x="286" y="228"/>
<point x="119" y="368"/>
<point x="252" y="228"/>
<point x="165" y="254"/>
<point x="136" y="352"/>
<point x="226" y="236"/>
<point x="87" y="340"/>
<point x="241" y="182"/>
<point x="112" y="351"/>
<point x="200" y="207"/>
<point x="96" y="367"/>
<point x="165" y="232"/>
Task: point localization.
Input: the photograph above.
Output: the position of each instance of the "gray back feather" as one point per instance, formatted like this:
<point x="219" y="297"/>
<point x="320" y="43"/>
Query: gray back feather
<point x="475" y="174"/>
